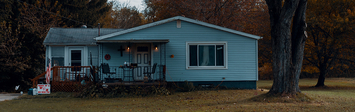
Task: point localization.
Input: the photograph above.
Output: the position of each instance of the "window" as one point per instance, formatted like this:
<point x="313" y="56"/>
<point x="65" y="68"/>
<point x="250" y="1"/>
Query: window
<point x="57" y="55"/>
<point x="75" y="57"/>
<point x="206" y="55"/>
<point x="57" y="61"/>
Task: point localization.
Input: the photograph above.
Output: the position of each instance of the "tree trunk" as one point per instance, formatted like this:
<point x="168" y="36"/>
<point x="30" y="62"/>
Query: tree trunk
<point x="321" y="77"/>
<point x="287" y="49"/>
<point x="299" y="36"/>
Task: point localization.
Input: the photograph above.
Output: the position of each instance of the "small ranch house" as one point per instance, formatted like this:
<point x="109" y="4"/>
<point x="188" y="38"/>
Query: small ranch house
<point x="175" y="50"/>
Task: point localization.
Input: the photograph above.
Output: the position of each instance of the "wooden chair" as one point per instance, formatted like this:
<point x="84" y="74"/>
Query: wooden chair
<point x="149" y="74"/>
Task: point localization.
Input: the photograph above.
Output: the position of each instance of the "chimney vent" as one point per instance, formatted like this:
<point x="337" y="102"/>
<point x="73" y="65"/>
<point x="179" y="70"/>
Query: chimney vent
<point x="84" y="26"/>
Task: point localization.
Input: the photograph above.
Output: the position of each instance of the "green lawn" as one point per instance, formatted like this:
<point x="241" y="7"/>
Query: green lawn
<point x="325" y="99"/>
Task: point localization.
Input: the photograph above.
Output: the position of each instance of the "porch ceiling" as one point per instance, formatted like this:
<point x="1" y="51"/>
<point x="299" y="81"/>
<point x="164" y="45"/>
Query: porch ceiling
<point x="134" y="41"/>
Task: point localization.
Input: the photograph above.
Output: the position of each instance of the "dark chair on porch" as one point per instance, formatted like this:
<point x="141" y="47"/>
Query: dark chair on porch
<point x="106" y="70"/>
<point x="149" y="74"/>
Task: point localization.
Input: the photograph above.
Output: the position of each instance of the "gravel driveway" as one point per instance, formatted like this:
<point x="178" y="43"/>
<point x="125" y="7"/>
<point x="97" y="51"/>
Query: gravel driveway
<point x="9" y="96"/>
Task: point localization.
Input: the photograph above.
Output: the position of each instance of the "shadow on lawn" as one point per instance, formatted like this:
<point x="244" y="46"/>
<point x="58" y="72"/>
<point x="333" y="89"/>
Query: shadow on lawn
<point x="233" y="102"/>
<point x="327" y="88"/>
<point x="350" y="87"/>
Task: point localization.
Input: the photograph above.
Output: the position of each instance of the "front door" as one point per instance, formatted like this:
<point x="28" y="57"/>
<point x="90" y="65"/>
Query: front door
<point x="142" y="58"/>
<point x="75" y="58"/>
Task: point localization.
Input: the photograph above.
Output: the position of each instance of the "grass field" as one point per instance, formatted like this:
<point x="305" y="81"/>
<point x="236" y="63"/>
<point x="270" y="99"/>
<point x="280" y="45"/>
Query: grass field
<point x="339" y="96"/>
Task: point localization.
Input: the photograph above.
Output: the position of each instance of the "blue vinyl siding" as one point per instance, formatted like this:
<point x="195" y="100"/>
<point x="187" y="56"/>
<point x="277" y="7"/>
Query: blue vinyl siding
<point x="112" y="50"/>
<point x="116" y="58"/>
<point x="95" y="55"/>
<point x="242" y="63"/>
<point x="158" y="57"/>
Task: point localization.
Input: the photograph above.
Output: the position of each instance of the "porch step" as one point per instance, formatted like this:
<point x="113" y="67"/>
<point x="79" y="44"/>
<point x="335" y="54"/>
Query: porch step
<point x="113" y="80"/>
<point x="42" y="80"/>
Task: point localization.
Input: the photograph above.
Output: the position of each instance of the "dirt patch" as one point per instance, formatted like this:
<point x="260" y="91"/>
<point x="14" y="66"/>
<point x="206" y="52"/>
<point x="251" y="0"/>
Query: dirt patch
<point x="265" y="90"/>
<point x="267" y="97"/>
<point x="345" y="80"/>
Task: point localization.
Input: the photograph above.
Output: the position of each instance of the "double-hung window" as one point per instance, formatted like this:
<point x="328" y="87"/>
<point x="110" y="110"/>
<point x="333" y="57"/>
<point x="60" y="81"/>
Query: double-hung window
<point x="57" y="55"/>
<point x="206" y="55"/>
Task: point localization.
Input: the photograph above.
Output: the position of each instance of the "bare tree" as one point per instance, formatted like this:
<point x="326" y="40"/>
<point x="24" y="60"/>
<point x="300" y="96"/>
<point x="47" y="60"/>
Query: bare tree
<point x="329" y="47"/>
<point x="122" y="16"/>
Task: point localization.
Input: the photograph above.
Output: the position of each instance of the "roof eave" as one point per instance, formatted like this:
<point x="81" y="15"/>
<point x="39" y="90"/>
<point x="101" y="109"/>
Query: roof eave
<point x="134" y="29"/>
<point x="82" y="44"/>
<point x="134" y="41"/>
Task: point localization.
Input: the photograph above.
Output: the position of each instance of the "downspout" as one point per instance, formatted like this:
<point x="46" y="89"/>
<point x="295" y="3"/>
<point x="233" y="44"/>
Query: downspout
<point x="102" y="60"/>
<point x="102" y="52"/>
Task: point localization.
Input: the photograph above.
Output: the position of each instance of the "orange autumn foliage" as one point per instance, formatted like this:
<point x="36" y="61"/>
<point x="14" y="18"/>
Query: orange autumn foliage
<point x="247" y="15"/>
<point x="329" y="50"/>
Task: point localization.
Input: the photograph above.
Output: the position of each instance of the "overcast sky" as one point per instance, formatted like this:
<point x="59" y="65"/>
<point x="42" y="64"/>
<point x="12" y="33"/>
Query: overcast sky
<point x="137" y="3"/>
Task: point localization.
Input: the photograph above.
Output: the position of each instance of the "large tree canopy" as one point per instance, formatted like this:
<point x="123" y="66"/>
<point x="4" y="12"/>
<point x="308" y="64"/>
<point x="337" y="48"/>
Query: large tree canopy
<point x="13" y="58"/>
<point x="83" y="11"/>
<point x="24" y="24"/>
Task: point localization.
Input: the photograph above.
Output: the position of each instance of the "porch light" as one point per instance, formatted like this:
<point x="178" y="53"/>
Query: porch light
<point x="128" y="47"/>
<point x="156" y="47"/>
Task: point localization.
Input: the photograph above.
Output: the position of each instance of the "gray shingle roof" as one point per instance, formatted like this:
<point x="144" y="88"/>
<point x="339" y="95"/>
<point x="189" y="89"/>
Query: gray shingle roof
<point x="102" y="37"/>
<point x="75" y="36"/>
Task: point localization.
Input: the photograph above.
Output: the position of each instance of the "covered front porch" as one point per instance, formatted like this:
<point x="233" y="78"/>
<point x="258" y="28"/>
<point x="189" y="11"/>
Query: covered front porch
<point x="130" y="61"/>
<point x="73" y="78"/>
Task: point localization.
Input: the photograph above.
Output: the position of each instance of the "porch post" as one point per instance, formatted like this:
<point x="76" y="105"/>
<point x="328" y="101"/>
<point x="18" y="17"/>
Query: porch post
<point x="99" y="75"/>
<point x="160" y="65"/>
<point x="164" y="61"/>
<point x="129" y="50"/>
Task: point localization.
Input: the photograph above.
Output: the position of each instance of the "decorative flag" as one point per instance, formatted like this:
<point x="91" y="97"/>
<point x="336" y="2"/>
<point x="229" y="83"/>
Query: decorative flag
<point x="48" y="75"/>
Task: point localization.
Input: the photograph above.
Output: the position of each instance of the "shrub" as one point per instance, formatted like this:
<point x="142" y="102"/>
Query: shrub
<point x="187" y="87"/>
<point x="97" y="91"/>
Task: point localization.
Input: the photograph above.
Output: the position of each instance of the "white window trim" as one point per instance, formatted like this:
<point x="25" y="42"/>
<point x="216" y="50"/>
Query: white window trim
<point x="207" y="43"/>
